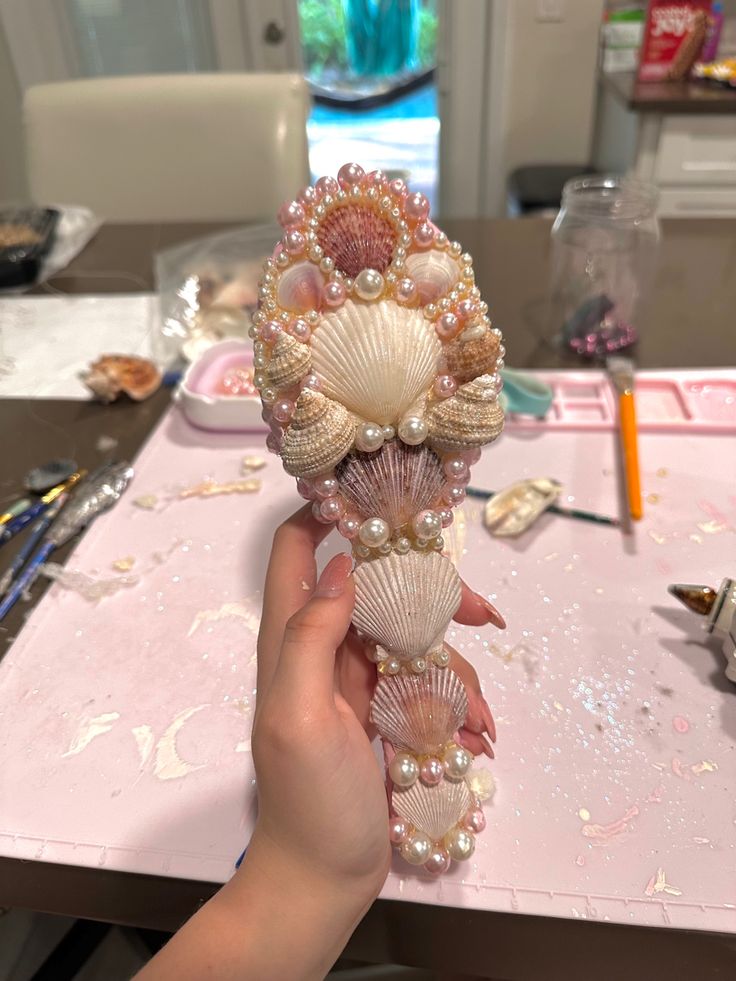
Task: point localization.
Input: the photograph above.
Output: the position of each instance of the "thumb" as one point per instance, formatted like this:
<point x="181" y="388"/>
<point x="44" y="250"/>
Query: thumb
<point x="313" y="634"/>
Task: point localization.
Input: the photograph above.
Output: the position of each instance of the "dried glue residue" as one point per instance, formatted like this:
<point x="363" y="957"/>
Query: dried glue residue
<point x="251" y="463"/>
<point x="144" y="740"/>
<point x="90" y="729"/>
<point x="305" y="585"/>
<point x="88" y="587"/>
<point x="252" y="622"/>
<point x="605" y="832"/>
<point x="713" y="527"/>
<point x="124" y="565"/>
<point x="656" y="537"/>
<point x="481" y="784"/>
<point x="658" y="883"/>
<point x="169" y="765"/>
<point x="244" y="746"/>
<point x="663" y="472"/>
<point x="680" y="724"/>
<point x="147" y="502"/>
<point x="584" y="814"/>
<point x="705" y="766"/>
<point x="211" y="488"/>
<point x="653" y="498"/>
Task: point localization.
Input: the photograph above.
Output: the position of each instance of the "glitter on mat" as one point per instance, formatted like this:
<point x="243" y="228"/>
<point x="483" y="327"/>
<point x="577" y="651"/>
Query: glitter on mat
<point x="147" y="502"/>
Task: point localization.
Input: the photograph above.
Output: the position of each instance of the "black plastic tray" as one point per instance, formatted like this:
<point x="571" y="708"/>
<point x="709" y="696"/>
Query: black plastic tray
<point x="20" y="264"/>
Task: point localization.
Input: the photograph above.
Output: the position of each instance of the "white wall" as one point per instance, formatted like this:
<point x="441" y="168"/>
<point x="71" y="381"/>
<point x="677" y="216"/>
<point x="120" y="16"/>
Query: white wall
<point x="12" y="166"/>
<point x="550" y="83"/>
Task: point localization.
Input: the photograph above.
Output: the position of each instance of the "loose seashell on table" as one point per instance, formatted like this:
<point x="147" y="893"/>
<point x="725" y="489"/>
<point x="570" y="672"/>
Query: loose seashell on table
<point x="405" y="602"/>
<point x="515" y="508"/>
<point x="375" y="358"/>
<point x="112" y="374"/>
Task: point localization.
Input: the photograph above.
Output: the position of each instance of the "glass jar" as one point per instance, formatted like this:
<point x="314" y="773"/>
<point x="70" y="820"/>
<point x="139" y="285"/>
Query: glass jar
<point x="604" y="248"/>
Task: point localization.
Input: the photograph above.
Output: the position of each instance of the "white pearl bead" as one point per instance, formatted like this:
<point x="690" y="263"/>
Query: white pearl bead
<point x="369" y="284"/>
<point x="403" y="770"/>
<point x="441" y="658"/>
<point x="427" y="524"/>
<point x="413" y="430"/>
<point x="460" y="844"/>
<point x="419" y="665"/>
<point x="369" y="437"/>
<point x="457" y="762"/>
<point x="417" y="849"/>
<point x="374" y="532"/>
<point x="402" y="545"/>
<point x="388" y="432"/>
<point x="392" y="665"/>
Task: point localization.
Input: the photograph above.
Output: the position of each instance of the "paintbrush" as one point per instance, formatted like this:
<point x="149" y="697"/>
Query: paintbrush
<point x="90" y="498"/>
<point x="621" y="373"/>
<point x="34" y="537"/>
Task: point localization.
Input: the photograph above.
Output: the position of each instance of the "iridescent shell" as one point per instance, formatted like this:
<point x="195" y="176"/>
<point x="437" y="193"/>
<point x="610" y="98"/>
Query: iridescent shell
<point x="434" y="272"/>
<point x="471" y="417"/>
<point x="466" y="359"/>
<point x="320" y="434"/>
<point x="301" y="288"/>
<point x="393" y="483"/>
<point x="433" y="810"/>
<point x="375" y="358"/>
<point x="515" y="508"/>
<point x="419" y="713"/>
<point x="356" y="237"/>
<point x="290" y="362"/>
<point x="405" y="602"/>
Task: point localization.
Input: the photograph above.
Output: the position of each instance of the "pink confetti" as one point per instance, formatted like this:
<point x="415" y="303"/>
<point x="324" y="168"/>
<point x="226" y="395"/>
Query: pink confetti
<point x="580" y="860"/>
<point x="604" y="832"/>
<point x="681" y="724"/>
<point x="655" y="797"/>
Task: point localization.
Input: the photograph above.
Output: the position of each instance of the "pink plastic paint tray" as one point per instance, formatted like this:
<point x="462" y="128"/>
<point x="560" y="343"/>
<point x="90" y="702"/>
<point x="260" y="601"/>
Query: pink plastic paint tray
<point x="125" y="733"/>
<point x="679" y="401"/>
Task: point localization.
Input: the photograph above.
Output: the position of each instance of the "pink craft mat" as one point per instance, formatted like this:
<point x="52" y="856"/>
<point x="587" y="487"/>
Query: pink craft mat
<point x="125" y="724"/>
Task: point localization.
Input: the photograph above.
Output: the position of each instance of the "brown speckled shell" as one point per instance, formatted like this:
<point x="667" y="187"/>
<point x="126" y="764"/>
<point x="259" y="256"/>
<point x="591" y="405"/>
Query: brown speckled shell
<point x="465" y="360"/>
<point x="290" y="362"/>
<point x="320" y="435"/>
<point x="471" y="417"/>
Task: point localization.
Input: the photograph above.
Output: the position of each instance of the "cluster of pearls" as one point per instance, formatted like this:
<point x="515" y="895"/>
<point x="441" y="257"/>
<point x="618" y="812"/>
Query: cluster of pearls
<point x="388" y="664"/>
<point x="417" y="848"/>
<point x="454" y="762"/>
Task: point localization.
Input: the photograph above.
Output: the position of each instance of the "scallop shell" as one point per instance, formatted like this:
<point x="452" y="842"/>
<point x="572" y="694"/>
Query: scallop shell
<point x="356" y="237"/>
<point x="393" y="483"/>
<point x="375" y="358"/>
<point x="301" y="288"/>
<point x="466" y="360"/>
<point x="115" y="373"/>
<point x="405" y="602"/>
<point x="419" y="713"/>
<point x="290" y="362"/>
<point x="471" y="417"/>
<point x="320" y="434"/>
<point x="433" y="810"/>
<point x="434" y="272"/>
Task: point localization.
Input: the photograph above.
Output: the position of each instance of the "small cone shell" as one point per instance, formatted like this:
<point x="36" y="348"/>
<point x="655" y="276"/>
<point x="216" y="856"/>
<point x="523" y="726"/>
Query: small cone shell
<point x="471" y="417"/>
<point x="465" y="360"/>
<point x="290" y="362"/>
<point x="320" y="434"/>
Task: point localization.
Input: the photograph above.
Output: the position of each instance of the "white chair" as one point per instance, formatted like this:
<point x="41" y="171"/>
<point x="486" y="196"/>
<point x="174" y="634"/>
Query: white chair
<point x="199" y="147"/>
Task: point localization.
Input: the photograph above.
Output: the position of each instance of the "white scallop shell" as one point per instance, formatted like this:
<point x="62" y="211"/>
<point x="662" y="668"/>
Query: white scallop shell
<point x="434" y="272"/>
<point x="301" y="288"/>
<point x="433" y="810"/>
<point x="419" y="713"/>
<point x="375" y="358"/>
<point x="405" y="602"/>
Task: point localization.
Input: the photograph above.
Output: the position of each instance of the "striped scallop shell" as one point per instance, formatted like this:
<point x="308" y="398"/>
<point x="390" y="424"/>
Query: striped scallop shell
<point x="405" y="602"/>
<point x="375" y="358"/>
<point x="289" y="363"/>
<point x="471" y="417"/>
<point x="434" y="272"/>
<point x="301" y="287"/>
<point x="433" y="810"/>
<point x="356" y="237"/>
<point x="419" y="713"/>
<point x="466" y="359"/>
<point x="320" y="434"/>
<point x="393" y="483"/>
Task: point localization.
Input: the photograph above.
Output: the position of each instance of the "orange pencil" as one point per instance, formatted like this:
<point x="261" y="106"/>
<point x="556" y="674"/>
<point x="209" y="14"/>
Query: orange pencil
<point x="622" y="375"/>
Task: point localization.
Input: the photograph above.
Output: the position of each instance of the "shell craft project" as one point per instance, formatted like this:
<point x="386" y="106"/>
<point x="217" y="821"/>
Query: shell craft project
<point x="379" y="373"/>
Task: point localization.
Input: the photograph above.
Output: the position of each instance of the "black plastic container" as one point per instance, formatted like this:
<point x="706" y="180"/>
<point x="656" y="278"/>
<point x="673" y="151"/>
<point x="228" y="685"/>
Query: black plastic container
<point x="26" y="237"/>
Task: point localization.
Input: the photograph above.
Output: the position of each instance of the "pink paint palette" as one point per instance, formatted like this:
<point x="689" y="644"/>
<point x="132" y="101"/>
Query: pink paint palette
<point x="681" y="401"/>
<point x="126" y="723"/>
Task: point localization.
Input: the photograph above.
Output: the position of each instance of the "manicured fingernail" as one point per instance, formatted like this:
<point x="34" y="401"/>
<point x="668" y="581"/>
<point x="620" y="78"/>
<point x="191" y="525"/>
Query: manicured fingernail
<point x="334" y="576"/>
<point x="490" y="725"/>
<point x="494" y="616"/>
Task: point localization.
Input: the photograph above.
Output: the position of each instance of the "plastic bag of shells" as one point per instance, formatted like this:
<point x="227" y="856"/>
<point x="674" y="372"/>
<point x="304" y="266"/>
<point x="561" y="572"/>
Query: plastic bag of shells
<point x="208" y="289"/>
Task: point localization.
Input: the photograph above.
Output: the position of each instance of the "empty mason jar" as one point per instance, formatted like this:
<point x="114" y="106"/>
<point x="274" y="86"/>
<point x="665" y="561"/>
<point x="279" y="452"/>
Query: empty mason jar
<point x="604" y="247"/>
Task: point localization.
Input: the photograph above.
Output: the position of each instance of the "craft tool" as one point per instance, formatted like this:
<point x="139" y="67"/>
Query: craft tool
<point x="621" y="373"/>
<point x="18" y="523"/>
<point x="577" y="513"/>
<point x="94" y="495"/>
<point x="719" y="606"/>
<point x="34" y="537"/>
<point x="16" y="508"/>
